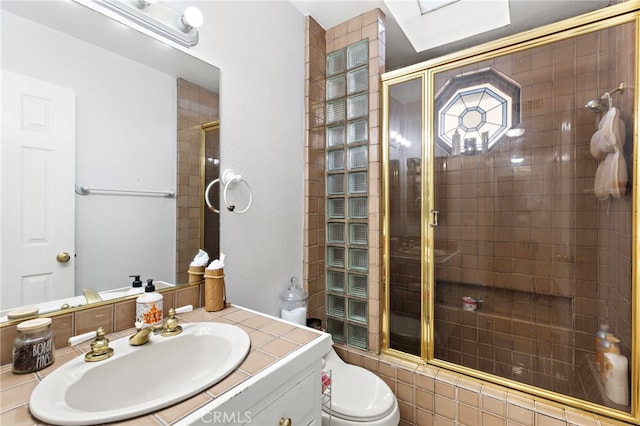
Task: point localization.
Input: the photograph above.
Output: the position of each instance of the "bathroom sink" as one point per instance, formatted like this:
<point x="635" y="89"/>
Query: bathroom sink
<point x="140" y="379"/>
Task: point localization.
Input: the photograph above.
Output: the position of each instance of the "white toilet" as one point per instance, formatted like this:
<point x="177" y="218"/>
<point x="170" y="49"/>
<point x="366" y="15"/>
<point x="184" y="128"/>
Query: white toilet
<point x="358" y="397"/>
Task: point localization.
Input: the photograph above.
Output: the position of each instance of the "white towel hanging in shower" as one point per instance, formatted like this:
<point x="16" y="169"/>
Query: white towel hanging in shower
<point x="610" y="134"/>
<point x="606" y="144"/>
<point x="611" y="177"/>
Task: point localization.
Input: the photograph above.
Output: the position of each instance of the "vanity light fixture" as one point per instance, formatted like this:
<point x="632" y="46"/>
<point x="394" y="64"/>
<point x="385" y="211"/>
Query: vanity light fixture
<point x="160" y="18"/>
<point x="146" y="3"/>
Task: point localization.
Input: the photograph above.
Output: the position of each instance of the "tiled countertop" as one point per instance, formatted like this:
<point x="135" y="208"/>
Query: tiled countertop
<point x="271" y="340"/>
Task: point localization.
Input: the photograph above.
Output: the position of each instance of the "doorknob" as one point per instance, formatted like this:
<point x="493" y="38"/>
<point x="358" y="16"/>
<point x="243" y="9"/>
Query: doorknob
<point x="63" y="257"/>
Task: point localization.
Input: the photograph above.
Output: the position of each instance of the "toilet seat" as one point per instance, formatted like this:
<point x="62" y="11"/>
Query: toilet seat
<point x="358" y="395"/>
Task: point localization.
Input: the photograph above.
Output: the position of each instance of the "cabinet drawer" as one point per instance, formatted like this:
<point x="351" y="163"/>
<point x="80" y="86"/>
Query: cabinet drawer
<point x="299" y="403"/>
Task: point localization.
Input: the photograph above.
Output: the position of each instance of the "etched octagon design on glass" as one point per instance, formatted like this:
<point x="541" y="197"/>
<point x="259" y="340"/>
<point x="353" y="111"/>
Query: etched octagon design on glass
<point x="480" y="107"/>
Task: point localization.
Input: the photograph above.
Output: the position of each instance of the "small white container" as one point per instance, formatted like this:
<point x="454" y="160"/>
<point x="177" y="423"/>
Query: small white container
<point x="294" y="303"/>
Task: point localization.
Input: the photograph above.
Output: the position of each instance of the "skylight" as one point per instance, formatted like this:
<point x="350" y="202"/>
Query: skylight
<point x="447" y="21"/>
<point x="427" y="6"/>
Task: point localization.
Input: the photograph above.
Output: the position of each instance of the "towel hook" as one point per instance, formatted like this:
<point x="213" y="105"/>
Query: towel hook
<point x="620" y="88"/>
<point x="608" y="101"/>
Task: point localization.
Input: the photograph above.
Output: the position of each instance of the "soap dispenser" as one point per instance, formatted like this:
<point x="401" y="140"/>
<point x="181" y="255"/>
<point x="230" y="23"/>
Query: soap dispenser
<point x="136" y="286"/>
<point x="149" y="306"/>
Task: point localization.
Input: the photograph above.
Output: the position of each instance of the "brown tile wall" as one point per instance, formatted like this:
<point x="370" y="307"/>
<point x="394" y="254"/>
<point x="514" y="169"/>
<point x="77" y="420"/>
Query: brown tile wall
<point x="314" y="185"/>
<point x="196" y="106"/>
<point x="211" y="225"/>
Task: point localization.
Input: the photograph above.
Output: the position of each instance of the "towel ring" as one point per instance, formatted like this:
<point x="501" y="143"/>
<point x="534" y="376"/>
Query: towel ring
<point x="229" y="177"/>
<point x="206" y="195"/>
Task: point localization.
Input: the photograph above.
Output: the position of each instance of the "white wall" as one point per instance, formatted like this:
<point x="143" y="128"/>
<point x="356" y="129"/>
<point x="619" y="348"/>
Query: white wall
<point x="126" y="138"/>
<point x="259" y="48"/>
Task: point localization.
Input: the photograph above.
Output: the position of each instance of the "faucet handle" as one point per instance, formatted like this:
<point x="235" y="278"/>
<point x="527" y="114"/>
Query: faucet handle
<point x="181" y="309"/>
<point x="171" y="327"/>
<point x="99" y="347"/>
<point x="76" y="340"/>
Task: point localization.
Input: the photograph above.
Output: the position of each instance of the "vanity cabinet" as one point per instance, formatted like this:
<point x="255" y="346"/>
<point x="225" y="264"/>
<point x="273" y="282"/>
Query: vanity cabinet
<point x="288" y="389"/>
<point x="297" y="400"/>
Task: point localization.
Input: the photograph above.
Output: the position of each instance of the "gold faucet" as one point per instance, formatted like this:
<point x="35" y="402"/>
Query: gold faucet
<point x="91" y="295"/>
<point x="142" y="334"/>
<point x="169" y="327"/>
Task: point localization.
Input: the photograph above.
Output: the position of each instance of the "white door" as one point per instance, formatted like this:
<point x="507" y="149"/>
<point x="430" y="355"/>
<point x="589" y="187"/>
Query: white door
<point x="36" y="191"/>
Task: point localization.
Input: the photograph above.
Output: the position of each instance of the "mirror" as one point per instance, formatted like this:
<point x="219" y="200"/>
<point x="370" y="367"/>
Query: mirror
<point x="124" y="87"/>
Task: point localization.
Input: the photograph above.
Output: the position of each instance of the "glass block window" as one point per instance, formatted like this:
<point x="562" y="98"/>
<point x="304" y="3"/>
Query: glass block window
<point x="335" y="135"/>
<point x="358" y="285"/>
<point x="336" y="62"/>
<point x="357" y="132"/>
<point x="335" y="87"/>
<point x="347" y="178"/>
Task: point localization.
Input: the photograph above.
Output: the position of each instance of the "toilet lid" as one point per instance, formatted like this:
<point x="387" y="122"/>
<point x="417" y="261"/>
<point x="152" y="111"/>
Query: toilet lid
<point x="358" y="394"/>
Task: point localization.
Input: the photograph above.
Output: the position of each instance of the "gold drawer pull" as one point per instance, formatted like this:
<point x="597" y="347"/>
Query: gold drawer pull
<point x="285" y="422"/>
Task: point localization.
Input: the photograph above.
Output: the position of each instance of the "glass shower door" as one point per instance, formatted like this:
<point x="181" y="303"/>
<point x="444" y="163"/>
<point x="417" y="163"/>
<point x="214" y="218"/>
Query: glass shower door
<point x="529" y="258"/>
<point x="404" y="209"/>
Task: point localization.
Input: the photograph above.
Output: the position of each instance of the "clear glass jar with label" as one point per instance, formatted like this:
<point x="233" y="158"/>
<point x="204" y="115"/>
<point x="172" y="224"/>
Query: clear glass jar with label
<point x="33" y="349"/>
<point x="294" y="303"/>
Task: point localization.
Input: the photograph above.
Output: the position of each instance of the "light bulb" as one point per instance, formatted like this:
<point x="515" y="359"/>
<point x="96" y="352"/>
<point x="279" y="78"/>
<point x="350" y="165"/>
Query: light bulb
<point x="191" y="18"/>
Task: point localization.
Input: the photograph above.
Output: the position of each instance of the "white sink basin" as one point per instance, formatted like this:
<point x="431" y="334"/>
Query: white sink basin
<point x="140" y="379"/>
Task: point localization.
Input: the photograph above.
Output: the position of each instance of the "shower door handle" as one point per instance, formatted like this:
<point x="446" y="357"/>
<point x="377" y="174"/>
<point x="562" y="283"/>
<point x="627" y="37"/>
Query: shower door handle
<point x="436" y="216"/>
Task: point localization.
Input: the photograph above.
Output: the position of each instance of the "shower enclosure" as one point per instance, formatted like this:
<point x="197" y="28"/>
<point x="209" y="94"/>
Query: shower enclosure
<point x="510" y="239"/>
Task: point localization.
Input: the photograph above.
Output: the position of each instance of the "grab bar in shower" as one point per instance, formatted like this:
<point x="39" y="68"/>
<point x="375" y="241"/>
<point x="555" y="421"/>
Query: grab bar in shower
<point x="85" y="190"/>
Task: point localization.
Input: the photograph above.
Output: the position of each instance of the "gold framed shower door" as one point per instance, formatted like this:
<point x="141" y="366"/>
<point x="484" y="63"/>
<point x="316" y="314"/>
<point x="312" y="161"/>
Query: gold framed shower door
<point x="511" y="261"/>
